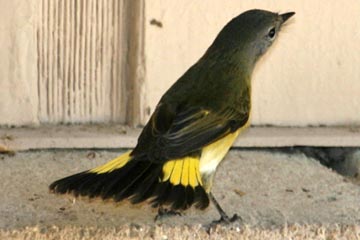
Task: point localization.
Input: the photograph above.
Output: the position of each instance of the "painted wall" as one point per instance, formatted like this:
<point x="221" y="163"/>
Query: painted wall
<point x="18" y="58"/>
<point x="310" y="77"/>
<point x="62" y="61"/>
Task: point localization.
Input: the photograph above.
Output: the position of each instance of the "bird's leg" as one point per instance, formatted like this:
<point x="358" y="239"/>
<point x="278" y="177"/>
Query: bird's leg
<point x="224" y="217"/>
<point x="164" y="212"/>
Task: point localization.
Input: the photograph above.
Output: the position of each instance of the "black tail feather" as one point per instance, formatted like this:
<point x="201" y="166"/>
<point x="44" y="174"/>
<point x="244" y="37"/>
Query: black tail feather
<point x="147" y="186"/>
<point x="130" y="186"/>
<point x="161" y="192"/>
<point x="177" y="197"/>
<point x="166" y="194"/>
<point x="201" y="198"/>
<point x="115" y="181"/>
<point x="138" y="181"/>
<point x="189" y="191"/>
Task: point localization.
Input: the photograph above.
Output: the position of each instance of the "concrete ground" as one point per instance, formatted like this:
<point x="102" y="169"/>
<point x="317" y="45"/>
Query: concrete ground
<point x="275" y="193"/>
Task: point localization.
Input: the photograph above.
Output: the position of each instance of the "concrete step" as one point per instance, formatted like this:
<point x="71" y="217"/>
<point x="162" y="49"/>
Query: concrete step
<point x="118" y="136"/>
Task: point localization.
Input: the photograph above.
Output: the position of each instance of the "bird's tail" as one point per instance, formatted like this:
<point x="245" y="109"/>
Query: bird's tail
<point x="176" y="183"/>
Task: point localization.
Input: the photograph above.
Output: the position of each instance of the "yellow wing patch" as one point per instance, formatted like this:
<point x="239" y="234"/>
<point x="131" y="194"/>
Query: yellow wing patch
<point x="184" y="171"/>
<point x="114" y="164"/>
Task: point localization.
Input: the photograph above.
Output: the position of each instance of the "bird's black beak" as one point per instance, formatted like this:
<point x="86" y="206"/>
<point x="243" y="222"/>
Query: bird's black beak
<point x="286" y="16"/>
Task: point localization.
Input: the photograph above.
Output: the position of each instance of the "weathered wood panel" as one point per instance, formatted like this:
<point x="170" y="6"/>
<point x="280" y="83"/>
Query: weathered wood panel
<point x="82" y="47"/>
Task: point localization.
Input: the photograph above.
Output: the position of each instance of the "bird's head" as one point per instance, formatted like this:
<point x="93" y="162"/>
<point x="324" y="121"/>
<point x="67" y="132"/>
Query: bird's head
<point x="248" y="36"/>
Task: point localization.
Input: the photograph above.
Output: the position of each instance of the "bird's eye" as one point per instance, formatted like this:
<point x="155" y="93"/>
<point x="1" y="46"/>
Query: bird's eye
<point x="271" y="33"/>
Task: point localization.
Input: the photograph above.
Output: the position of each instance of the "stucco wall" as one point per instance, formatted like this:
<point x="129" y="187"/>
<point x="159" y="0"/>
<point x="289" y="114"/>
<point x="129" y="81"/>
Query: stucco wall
<point x="310" y="77"/>
<point x="18" y="78"/>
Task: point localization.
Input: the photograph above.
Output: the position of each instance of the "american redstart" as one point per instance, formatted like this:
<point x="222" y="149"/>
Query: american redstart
<point x="193" y="126"/>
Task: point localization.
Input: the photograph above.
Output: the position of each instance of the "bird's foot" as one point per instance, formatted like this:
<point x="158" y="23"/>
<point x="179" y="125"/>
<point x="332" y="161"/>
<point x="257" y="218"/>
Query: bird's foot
<point x="163" y="212"/>
<point x="224" y="220"/>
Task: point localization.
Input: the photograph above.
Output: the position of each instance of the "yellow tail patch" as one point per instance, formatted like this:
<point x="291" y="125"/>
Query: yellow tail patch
<point x="114" y="164"/>
<point x="184" y="171"/>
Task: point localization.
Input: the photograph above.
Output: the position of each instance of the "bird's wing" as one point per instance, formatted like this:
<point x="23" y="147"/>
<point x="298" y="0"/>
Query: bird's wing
<point x="174" y="134"/>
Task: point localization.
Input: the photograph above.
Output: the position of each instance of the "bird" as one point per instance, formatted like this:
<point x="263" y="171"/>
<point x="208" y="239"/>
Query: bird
<point x="192" y="127"/>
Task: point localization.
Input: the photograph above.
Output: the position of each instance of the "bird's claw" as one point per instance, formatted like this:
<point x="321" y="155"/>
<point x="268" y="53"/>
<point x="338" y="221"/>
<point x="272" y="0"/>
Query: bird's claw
<point x="222" y="221"/>
<point x="226" y="220"/>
